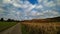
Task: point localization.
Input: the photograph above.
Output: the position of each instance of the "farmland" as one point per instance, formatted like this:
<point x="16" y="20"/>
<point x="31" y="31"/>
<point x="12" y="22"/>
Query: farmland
<point x="6" y="25"/>
<point x="41" y="28"/>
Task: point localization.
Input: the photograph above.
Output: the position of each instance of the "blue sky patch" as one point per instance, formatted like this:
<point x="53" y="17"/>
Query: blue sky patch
<point x="33" y="1"/>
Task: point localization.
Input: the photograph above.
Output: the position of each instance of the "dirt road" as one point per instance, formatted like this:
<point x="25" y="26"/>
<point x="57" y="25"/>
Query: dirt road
<point x="13" y="30"/>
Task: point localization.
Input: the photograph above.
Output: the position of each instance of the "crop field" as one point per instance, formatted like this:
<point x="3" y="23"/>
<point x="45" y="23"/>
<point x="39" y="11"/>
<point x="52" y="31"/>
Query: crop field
<point x="6" y="25"/>
<point x="41" y="28"/>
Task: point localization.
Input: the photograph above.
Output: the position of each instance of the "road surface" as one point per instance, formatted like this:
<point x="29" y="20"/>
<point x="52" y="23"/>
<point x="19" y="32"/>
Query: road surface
<point x="13" y="30"/>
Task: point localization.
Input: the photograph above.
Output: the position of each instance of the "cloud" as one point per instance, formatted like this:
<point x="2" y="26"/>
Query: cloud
<point x="49" y="4"/>
<point x="50" y="13"/>
<point x="6" y="1"/>
<point x="39" y="1"/>
<point x="44" y="14"/>
<point x="21" y="10"/>
<point x="58" y="2"/>
<point x="16" y="5"/>
<point x="36" y="13"/>
<point x="1" y="10"/>
<point x="39" y="6"/>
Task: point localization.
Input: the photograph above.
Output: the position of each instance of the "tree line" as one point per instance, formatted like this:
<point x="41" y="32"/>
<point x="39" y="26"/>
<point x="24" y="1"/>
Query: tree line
<point x="9" y="20"/>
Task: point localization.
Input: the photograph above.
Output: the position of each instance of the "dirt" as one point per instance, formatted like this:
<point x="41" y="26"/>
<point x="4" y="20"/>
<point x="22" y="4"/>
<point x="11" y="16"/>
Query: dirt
<point x="13" y="30"/>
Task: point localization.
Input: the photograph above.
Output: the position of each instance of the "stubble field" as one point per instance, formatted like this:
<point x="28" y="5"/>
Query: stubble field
<point x="41" y="28"/>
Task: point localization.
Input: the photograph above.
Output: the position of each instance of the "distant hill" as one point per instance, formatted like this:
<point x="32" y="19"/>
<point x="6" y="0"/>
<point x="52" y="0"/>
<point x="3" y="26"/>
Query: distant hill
<point x="55" y="19"/>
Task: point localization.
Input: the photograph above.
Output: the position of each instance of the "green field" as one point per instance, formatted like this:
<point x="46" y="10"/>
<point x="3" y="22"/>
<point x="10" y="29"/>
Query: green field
<point x="6" y="25"/>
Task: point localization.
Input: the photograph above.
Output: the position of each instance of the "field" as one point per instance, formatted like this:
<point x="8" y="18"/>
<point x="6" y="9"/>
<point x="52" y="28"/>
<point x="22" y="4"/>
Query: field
<point x="34" y="28"/>
<point x="6" y="25"/>
<point x="41" y="28"/>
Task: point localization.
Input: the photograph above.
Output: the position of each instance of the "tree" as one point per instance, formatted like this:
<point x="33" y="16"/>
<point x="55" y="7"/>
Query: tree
<point x="2" y="19"/>
<point x="9" y="20"/>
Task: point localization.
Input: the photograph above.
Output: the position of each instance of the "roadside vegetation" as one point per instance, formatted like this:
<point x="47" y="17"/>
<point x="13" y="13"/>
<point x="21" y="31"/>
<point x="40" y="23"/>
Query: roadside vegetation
<point x="6" y="25"/>
<point x="41" y="28"/>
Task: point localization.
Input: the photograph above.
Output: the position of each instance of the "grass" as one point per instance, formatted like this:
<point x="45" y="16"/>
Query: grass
<point x="41" y="28"/>
<point x="6" y="25"/>
<point x="24" y="30"/>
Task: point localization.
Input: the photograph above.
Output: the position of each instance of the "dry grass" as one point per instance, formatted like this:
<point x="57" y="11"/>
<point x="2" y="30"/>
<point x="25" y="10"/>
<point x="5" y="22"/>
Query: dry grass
<point x="42" y="28"/>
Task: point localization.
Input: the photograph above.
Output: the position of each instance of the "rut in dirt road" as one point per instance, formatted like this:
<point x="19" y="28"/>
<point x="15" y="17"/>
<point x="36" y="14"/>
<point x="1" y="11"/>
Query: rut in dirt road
<point x="13" y="30"/>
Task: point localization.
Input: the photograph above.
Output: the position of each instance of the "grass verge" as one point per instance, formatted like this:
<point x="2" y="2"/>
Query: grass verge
<point x="6" y="25"/>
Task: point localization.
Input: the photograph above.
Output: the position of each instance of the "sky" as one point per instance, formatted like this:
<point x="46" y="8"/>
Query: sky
<point x="29" y="9"/>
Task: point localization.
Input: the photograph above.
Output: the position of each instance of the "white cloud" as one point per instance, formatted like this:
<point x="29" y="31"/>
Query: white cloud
<point x="1" y="11"/>
<point x="39" y="1"/>
<point x="31" y="7"/>
<point x="58" y="2"/>
<point x="49" y="4"/>
<point x="30" y="18"/>
<point x="7" y="1"/>
<point x="26" y="6"/>
<point x="51" y="11"/>
<point x="40" y="13"/>
<point x="18" y="13"/>
<point x="16" y="5"/>
<point x="35" y="13"/>
<point x="13" y="15"/>
<point x="28" y="9"/>
<point x="45" y="14"/>
<point x="39" y="6"/>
